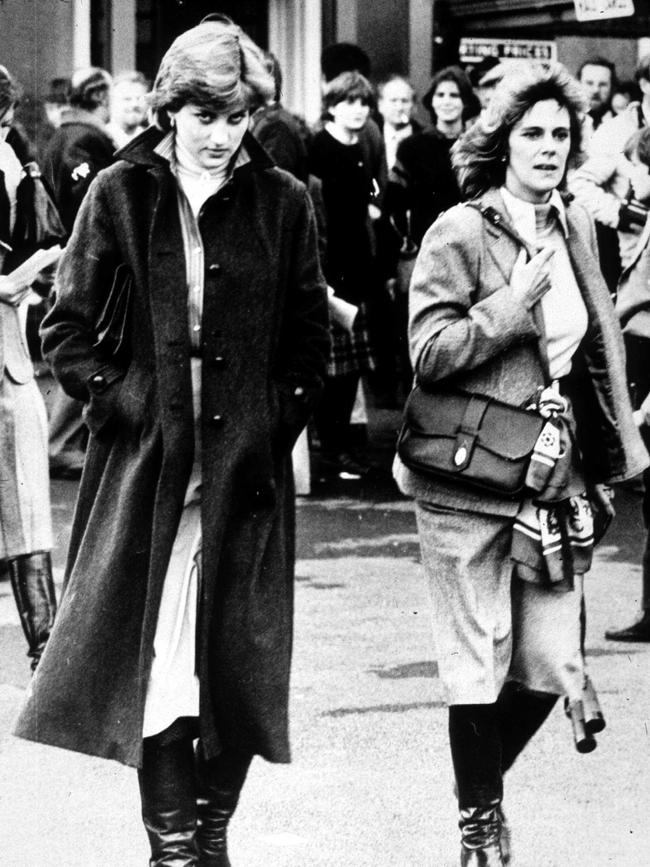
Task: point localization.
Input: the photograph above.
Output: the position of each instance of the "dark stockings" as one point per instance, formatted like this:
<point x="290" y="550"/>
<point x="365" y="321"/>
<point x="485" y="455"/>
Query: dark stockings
<point x="521" y="713"/>
<point x="475" y="741"/>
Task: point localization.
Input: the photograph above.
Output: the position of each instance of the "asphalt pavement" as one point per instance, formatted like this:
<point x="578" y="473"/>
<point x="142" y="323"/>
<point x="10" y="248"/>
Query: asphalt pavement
<point x="370" y="784"/>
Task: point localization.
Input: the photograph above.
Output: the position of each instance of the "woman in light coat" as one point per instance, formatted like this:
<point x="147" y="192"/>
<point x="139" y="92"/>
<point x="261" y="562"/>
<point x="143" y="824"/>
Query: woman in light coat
<point x="176" y="620"/>
<point x="484" y="319"/>
<point x="25" y="520"/>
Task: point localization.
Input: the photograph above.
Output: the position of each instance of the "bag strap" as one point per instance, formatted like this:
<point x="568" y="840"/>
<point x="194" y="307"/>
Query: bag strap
<point x="469" y="429"/>
<point x="496" y="219"/>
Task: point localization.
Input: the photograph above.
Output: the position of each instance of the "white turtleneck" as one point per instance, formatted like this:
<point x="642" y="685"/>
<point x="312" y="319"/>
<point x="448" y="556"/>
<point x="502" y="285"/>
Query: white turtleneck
<point x="198" y="183"/>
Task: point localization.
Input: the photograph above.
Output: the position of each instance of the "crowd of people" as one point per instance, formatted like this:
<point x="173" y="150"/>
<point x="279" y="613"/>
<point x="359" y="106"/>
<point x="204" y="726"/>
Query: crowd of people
<point x="460" y="255"/>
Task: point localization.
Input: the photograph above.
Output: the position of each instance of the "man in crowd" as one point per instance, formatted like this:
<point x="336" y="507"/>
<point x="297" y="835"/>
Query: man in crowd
<point x="598" y="78"/>
<point x="78" y="149"/>
<point x="128" y="107"/>
<point x="396" y="100"/>
<point x="602" y="185"/>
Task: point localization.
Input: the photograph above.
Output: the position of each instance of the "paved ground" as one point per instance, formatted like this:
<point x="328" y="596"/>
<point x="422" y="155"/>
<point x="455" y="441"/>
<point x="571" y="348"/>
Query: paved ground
<point x="370" y="783"/>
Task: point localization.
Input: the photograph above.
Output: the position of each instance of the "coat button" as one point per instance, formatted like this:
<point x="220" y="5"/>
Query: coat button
<point x="214" y="267"/>
<point x="219" y="361"/>
<point x="217" y="420"/>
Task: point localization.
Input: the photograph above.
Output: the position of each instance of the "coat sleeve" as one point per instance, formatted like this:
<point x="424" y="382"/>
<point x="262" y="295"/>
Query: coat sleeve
<point x="449" y="331"/>
<point x="301" y="361"/>
<point x="592" y="185"/>
<point x="81" y="287"/>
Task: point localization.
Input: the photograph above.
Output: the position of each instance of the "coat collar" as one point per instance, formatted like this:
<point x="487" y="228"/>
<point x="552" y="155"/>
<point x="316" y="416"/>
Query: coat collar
<point x="72" y="114"/>
<point x="141" y="151"/>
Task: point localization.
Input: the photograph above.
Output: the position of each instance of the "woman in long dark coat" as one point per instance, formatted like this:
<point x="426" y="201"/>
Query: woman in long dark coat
<point x="176" y="620"/>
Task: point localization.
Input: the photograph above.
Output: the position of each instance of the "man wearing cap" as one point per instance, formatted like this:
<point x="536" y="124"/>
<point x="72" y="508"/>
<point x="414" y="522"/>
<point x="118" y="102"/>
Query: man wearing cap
<point x="77" y="151"/>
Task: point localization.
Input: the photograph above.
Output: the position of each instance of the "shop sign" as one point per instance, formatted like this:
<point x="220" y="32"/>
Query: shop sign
<point x="595" y="10"/>
<point x="473" y="50"/>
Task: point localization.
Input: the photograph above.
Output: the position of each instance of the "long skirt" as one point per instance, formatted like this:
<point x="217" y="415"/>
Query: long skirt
<point x="173" y="688"/>
<point x="25" y="516"/>
<point x="487" y="625"/>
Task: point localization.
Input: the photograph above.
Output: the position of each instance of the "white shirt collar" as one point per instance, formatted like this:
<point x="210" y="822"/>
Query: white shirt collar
<point x="165" y="149"/>
<point x="522" y="213"/>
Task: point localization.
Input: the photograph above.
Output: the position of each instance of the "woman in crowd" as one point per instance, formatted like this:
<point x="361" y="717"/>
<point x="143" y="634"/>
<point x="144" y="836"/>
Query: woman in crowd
<point x="485" y="320"/>
<point x="349" y="191"/>
<point x="176" y="620"/>
<point x="422" y="182"/>
<point x="25" y="520"/>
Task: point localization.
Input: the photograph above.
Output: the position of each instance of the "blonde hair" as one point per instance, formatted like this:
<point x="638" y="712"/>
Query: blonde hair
<point x="480" y="155"/>
<point x="214" y="65"/>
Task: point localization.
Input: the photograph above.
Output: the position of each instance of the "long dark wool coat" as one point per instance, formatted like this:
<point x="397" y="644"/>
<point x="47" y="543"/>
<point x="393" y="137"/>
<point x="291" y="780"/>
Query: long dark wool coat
<point x="264" y="352"/>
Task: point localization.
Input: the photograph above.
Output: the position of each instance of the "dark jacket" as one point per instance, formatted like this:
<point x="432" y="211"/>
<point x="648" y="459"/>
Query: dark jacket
<point x="284" y="137"/>
<point x="348" y="188"/>
<point x="422" y="181"/>
<point x="468" y="330"/>
<point x="264" y="355"/>
<point x="78" y="149"/>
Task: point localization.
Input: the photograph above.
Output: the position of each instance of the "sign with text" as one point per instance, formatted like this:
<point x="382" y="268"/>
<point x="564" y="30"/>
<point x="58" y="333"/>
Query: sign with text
<point x="595" y="10"/>
<point x="473" y="50"/>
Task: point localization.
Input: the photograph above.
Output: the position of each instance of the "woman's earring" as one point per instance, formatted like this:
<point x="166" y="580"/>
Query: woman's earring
<point x="172" y="122"/>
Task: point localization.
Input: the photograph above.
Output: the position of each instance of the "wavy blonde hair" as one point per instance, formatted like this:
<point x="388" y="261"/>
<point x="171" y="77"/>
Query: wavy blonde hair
<point x="480" y="156"/>
<point x="214" y="65"/>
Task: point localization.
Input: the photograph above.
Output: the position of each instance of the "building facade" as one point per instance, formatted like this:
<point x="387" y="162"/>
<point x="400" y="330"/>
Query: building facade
<point x="45" y="39"/>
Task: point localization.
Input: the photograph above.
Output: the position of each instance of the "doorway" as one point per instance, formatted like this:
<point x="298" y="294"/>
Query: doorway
<point x="159" y="22"/>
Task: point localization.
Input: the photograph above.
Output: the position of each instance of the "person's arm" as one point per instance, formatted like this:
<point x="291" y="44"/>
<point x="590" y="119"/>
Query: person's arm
<point x="592" y="184"/>
<point x="82" y="160"/>
<point x="83" y="282"/>
<point x="448" y="332"/>
<point x="303" y="346"/>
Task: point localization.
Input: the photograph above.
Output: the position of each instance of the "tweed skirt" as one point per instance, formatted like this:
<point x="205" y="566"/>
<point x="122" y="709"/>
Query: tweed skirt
<point x="25" y="517"/>
<point x="351" y="352"/>
<point x="489" y="627"/>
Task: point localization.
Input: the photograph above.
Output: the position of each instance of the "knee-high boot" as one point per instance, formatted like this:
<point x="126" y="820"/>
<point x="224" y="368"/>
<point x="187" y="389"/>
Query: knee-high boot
<point x="168" y="794"/>
<point x="33" y="589"/>
<point x="219" y="784"/>
<point x="476" y="753"/>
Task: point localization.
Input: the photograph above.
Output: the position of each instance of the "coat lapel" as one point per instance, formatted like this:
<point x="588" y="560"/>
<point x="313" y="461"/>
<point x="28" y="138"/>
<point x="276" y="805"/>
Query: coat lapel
<point x="168" y="302"/>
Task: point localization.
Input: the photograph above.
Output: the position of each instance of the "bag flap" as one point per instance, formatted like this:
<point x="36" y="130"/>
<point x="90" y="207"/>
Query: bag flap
<point x="506" y="430"/>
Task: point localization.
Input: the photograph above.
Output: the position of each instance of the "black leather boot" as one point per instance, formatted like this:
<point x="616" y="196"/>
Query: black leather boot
<point x="475" y="743"/>
<point x="33" y="588"/>
<point x="219" y="784"/>
<point x="480" y="834"/>
<point x="168" y="794"/>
